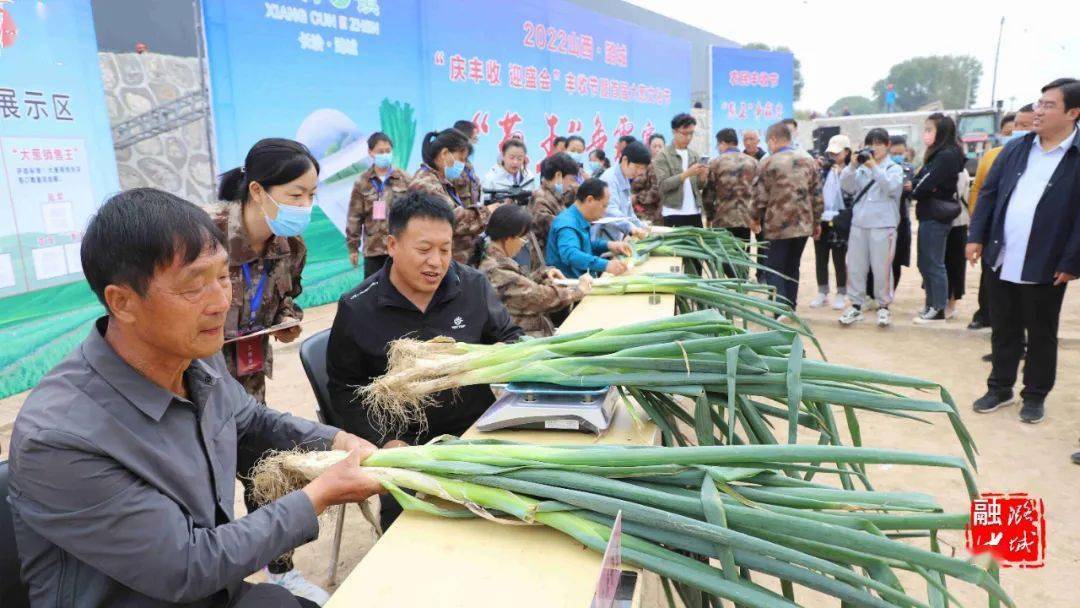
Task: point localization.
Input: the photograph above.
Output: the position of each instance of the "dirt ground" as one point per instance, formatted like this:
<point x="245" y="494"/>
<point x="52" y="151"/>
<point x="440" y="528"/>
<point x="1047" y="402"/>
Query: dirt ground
<point x="1014" y="457"/>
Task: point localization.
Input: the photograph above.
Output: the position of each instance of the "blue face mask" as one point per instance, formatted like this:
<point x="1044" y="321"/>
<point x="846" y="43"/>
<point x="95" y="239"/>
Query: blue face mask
<point x="290" y="220"/>
<point x="384" y="161"/>
<point x="455" y="170"/>
<point x="558" y="188"/>
<point x="594" y="166"/>
<point x="897" y="158"/>
<point x="1015" y="135"/>
<point x="580" y="157"/>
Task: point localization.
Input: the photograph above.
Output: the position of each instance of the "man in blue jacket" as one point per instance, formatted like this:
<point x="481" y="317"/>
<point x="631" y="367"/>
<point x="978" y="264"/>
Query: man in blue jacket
<point x="570" y="248"/>
<point x="1027" y="225"/>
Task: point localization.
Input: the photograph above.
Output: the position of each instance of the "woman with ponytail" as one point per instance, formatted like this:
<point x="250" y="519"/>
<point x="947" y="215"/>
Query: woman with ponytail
<point x="265" y="207"/>
<point x="530" y="298"/>
<point x="443" y="154"/>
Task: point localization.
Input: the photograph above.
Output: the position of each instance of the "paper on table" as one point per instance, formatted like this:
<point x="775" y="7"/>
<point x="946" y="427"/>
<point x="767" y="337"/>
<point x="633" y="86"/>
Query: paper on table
<point x="268" y="330"/>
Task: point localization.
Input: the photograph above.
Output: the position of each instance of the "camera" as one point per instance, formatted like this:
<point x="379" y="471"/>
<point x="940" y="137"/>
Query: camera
<point x="864" y="155"/>
<point x="518" y="194"/>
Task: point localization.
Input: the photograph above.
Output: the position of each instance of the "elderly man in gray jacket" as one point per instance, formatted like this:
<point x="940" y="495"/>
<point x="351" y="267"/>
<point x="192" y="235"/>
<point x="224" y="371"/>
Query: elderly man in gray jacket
<point x="877" y="184"/>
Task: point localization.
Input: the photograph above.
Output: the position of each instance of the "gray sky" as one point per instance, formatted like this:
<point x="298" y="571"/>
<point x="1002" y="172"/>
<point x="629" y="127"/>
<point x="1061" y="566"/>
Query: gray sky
<point x="1039" y="44"/>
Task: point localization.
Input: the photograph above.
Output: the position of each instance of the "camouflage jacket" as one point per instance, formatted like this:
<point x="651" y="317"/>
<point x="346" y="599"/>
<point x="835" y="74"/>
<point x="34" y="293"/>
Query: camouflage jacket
<point x="545" y="205"/>
<point x="729" y="190"/>
<point x="360" y="224"/>
<point x="469" y="220"/>
<point x="468" y="186"/>
<point x="528" y="297"/>
<point x="787" y="197"/>
<point x="646" y="196"/>
<point x="282" y="263"/>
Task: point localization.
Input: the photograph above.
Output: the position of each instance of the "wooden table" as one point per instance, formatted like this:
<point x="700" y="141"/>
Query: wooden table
<point x="425" y="560"/>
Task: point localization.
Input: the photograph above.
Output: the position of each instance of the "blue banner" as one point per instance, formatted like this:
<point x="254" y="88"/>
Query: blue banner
<point x="56" y="155"/>
<point x="330" y="73"/>
<point x="750" y="89"/>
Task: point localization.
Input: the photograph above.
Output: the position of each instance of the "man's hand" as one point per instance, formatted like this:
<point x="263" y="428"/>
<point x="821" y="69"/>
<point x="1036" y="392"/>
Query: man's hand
<point x="620" y="247"/>
<point x="354" y="258"/>
<point x="639" y="233"/>
<point x="342" y="483"/>
<point x="907" y="186"/>
<point x="973" y="252"/>
<point x="348" y="442"/>
<point x="615" y="267"/>
<point x="555" y="274"/>
<point x="288" y="334"/>
<point x="1060" y="278"/>
<point x="755" y="226"/>
<point x="817" y="231"/>
<point x="394" y="443"/>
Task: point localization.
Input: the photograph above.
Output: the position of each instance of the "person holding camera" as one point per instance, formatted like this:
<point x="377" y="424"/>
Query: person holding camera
<point x="530" y="298"/>
<point x="511" y="172"/>
<point x="833" y="240"/>
<point x="876" y="182"/>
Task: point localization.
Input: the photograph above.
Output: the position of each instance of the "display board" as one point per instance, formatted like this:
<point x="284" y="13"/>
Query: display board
<point x="330" y="73"/>
<point x="56" y="155"/>
<point x="750" y="89"/>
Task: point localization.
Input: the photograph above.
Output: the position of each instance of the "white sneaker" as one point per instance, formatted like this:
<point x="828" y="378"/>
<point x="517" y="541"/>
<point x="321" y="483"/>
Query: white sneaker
<point x="299" y="586"/>
<point x="850" y="316"/>
<point x="819" y="300"/>
<point x="929" y="316"/>
<point x="884" y="317"/>
<point x="839" y="302"/>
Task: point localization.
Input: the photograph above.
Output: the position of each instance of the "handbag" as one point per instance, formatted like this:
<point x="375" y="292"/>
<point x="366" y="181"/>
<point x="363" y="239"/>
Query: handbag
<point x="942" y="210"/>
<point x="841" y="223"/>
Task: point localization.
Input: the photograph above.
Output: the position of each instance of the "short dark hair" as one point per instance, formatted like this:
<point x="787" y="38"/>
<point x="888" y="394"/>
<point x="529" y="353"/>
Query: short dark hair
<point x="1026" y="109"/>
<point x="1070" y="92"/>
<point x="513" y="142"/>
<point x="591" y="187"/>
<point x="778" y="131"/>
<point x="375" y="138"/>
<point x="417" y="204"/>
<point x="657" y="136"/>
<point x="270" y="162"/>
<point x="138" y="231"/>
<point x="1009" y="117"/>
<point x="575" y="138"/>
<point x="627" y="139"/>
<point x="560" y="162"/>
<point x="682" y="119"/>
<point x="558" y="140"/>
<point x="727" y="136"/>
<point x="876" y="136"/>
<point x="897" y="140"/>
<point x="636" y="153"/>
<point x="466" y="126"/>
<point x="508" y="221"/>
<point x="790" y="121"/>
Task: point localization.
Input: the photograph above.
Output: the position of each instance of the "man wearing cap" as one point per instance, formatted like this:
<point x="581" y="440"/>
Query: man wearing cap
<point x="831" y="242"/>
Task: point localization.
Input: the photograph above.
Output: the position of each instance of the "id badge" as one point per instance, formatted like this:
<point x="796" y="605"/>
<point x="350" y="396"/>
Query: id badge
<point x="378" y="211"/>
<point x="250" y="356"/>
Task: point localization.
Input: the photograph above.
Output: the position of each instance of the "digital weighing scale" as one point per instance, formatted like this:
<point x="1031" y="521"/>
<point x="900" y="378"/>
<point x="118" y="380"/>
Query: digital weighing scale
<point x="534" y="405"/>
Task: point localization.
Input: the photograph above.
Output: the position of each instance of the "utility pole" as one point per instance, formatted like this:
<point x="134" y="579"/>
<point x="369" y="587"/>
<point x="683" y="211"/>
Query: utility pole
<point x="997" y="54"/>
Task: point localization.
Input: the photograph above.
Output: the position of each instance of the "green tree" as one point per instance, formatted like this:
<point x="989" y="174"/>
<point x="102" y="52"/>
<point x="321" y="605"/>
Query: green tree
<point x="856" y="104"/>
<point x="952" y="79"/>
<point x="796" y="76"/>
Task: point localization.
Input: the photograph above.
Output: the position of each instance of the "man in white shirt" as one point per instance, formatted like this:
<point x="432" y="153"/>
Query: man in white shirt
<point x="1027" y="224"/>
<point x="681" y="173"/>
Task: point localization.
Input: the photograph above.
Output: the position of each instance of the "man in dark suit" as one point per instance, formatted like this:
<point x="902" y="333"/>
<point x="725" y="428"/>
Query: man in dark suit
<point x="1027" y="225"/>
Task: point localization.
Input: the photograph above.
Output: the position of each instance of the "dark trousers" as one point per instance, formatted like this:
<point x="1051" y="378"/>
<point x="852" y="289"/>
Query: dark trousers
<point x="955" y="261"/>
<point x="267" y="595"/>
<point x="374" y="264"/>
<point x="683" y="220"/>
<point x="982" y="315"/>
<point x="1015" y="309"/>
<point x="740" y="232"/>
<point x="824" y="247"/>
<point x="248" y="454"/>
<point x="784" y="256"/>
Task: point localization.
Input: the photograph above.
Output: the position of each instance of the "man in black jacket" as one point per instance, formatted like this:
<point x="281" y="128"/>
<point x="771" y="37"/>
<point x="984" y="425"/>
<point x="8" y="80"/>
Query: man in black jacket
<point x="1027" y="225"/>
<point x="419" y="293"/>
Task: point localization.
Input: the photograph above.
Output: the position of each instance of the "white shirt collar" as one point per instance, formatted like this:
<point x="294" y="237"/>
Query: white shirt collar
<point x="1064" y="145"/>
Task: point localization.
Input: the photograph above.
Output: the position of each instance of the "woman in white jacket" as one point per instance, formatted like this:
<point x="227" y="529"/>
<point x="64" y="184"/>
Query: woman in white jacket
<point x="511" y="171"/>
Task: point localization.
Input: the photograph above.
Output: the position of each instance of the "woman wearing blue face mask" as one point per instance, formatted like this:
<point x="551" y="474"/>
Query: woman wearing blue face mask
<point x="266" y="205"/>
<point x="444" y="155"/>
<point x="598" y="163"/>
<point x="372" y="195"/>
